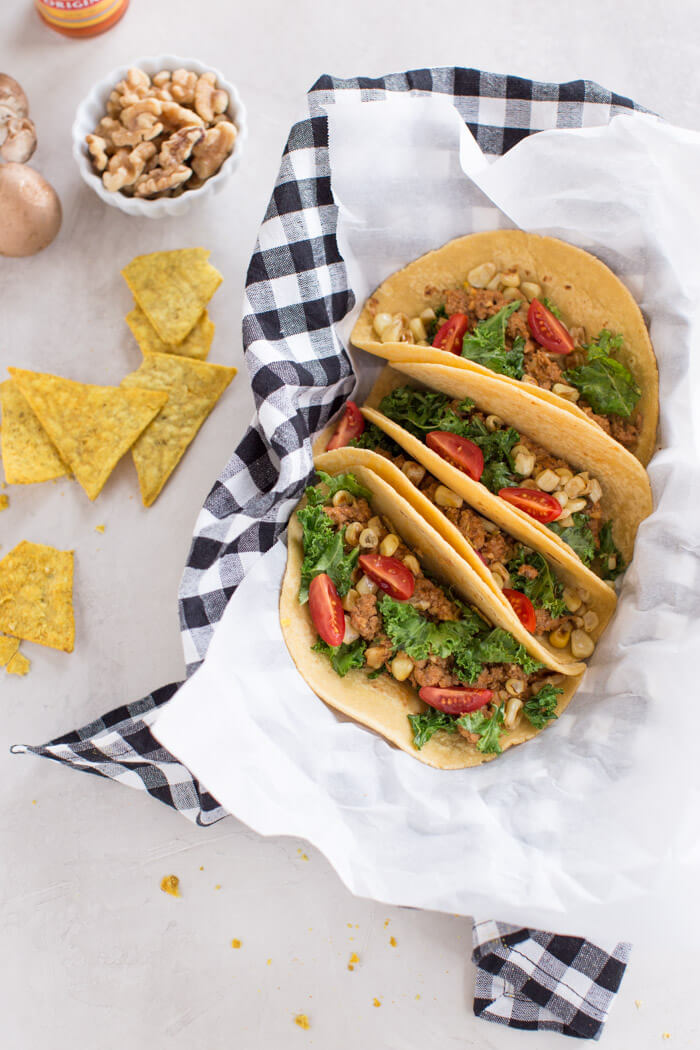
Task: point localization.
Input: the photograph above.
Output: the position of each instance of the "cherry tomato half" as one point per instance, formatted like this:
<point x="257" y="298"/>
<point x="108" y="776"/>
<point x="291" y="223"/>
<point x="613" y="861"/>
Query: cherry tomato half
<point x="524" y="609"/>
<point x="456" y="700"/>
<point x="326" y="609"/>
<point x="547" y="330"/>
<point x="351" y="426"/>
<point x="390" y="575"/>
<point x="450" y="335"/>
<point x="539" y="505"/>
<point x="459" y="451"/>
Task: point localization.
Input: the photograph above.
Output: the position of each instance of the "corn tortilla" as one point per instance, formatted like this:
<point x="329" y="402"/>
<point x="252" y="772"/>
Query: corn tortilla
<point x="36" y="588"/>
<point x="383" y="704"/>
<point x="196" y="343"/>
<point x="91" y="426"/>
<point x="192" y="388"/>
<point x="28" y="455"/>
<point x="586" y="291"/>
<point x="172" y="288"/>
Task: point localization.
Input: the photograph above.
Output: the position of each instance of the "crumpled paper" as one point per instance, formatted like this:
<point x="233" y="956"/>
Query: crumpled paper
<point x="592" y="826"/>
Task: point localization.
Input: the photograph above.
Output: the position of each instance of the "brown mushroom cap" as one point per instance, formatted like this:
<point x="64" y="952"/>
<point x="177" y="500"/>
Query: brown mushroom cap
<point x="12" y="96"/>
<point x="30" y="211"/>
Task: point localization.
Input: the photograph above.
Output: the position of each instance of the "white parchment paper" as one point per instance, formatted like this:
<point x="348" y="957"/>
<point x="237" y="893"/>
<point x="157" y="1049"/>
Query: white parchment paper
<point x="592" y="827"/>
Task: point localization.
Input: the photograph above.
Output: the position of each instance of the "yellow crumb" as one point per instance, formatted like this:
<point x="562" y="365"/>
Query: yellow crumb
<point x="302" y="1020"/>
<point x="302" y="855"/>
<point x="386" y="923"/>
<point x="268" y="962"/>
<point x="201" y="867"/>
<point x="349" y="925"/>
<point x="285" y="621"/>
<point x="376" y="1002"/>
<point x="235" y="943"/>
<point x="99" y="528"/>
<point x="218" y="886"/>
<point x="354" y="958"/>
<point x="392" y="942"/>
<point x="4" y="502"/>
<point x="638" y="1003"/>
<point x="666" y="1035"/>
<point x="19" y="664"/>
<point x="34" y="802"/>
<point x="171" y="884"/>
<point x="417" y="996"/>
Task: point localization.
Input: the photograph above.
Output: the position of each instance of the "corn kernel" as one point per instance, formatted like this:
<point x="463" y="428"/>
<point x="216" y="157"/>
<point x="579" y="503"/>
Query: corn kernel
<point x="582" y="645"/>
<point x="401" y="667"/>
<point x="413" y="471"/>
<point x="480" y="276"/>
<point x="547" y="480"/>
<point x="531" y="290"/>
<point x="572" y="599"/>
<point x="445" y="497"/>
<point x="560" y="636"/>
<point x="389" y="545"/>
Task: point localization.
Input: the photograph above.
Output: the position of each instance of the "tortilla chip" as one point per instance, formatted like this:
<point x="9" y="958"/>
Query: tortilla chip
<point x="193" y="388"/>
<point x="36" y="586"/>
<point x="8" y="648"/>
<point x="91" y="426"/>
<point x="28" y="455"/>
<point x="172" y="289"/>
<point x="19" y="664"/>
<point x="196" y="344"/>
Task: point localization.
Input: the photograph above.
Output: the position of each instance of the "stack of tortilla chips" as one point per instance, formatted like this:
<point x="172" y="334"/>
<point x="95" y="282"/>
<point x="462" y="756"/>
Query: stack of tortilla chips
<point x="53" y="426"/>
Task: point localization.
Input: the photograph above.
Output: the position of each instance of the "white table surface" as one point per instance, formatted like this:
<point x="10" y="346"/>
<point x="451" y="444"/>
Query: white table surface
<point x="92" y="951"/>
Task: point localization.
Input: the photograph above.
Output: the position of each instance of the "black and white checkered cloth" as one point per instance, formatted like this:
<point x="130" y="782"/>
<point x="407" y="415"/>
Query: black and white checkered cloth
<point x="296" y="291"/>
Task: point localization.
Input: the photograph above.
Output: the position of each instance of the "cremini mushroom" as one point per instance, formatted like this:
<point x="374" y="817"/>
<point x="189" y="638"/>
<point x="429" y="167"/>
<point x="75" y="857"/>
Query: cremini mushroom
<point x="17" y="131"/>
<point x="30" y="211"/>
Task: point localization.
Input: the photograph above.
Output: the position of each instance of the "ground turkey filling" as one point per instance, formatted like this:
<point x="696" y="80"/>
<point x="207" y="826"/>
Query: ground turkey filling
<point x="433" y="603"/>
<point x="544" y="368"/>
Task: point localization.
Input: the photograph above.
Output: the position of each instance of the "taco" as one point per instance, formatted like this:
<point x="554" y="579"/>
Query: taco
<point x="389" y="625"/>
<point x="548" y="318"/>
<point x="558" y="608"/>
<point x="535" y="470"/>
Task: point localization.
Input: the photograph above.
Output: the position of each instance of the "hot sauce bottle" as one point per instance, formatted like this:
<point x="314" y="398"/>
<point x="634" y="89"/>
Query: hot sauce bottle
<point x="81" y="17"/>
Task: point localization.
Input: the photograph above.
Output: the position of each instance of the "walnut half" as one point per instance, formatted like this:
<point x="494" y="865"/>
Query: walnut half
<point x="209" y="154"/>
<point x="125" y="167"/>
<point x="159" y="180"/>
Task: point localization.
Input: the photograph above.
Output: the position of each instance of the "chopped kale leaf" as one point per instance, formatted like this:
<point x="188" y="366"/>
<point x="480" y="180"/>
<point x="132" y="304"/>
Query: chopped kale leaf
<point x="486" y="344"/>
<point x="607" y="385"/>
<point x="429" y="722"/>
<point x="343" y="657"/>
<point x="540" y="708"/>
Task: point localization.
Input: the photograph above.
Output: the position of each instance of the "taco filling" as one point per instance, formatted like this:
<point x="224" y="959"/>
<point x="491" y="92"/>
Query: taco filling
<point x="509" y="464"/>
<point x="505" y="324"/>
<point x="543" y="604"/>
<point x="374" y="609"/>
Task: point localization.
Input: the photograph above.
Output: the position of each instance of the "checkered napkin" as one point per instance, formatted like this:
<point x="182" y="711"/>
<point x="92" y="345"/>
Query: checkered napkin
<point x="296" y="291"/>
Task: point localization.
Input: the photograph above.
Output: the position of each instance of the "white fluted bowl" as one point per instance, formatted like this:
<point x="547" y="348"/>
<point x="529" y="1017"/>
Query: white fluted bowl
<point x="94" y="107"/>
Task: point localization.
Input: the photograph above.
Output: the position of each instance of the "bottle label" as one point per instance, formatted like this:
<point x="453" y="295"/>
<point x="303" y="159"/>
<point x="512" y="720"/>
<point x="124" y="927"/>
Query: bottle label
<point x="78" y="14"/>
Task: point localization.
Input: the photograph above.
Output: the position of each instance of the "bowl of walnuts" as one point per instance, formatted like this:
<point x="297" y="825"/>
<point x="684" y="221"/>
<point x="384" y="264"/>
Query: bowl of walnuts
<point x="154" y="136"/>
